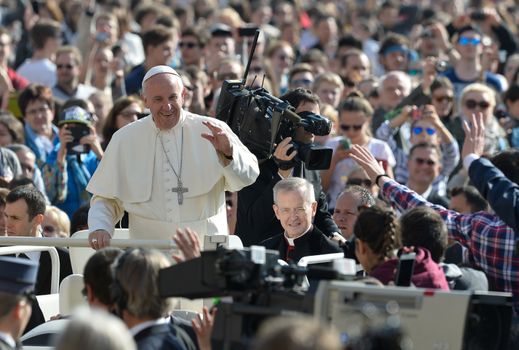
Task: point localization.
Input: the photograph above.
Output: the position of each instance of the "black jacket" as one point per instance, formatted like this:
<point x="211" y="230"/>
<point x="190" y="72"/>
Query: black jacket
<point x="314" y="242"/>
<point x="501" y="193"/>
<point x="256" y="220"/>
<point x="45" y="270"/>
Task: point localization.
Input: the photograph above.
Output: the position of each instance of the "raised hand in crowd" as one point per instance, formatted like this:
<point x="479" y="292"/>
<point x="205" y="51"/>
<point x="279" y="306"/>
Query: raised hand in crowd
<point x="366" y="160"/>
<point x="188" y="244"/>
<point x="474" y="135"/>
<point x="203" y="327"/>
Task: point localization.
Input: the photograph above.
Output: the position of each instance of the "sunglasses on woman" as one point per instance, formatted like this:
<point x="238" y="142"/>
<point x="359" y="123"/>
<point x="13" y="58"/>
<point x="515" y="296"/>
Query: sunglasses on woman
<point x="417" y="130"/>
<point x="446" y="98"/>
<point x="359" y="182"/>
<point x="346" y="127"/>
<point x="472" y="104"/>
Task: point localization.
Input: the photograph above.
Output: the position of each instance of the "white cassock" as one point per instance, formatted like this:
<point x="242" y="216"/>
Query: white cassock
<point x="134" y="175"/>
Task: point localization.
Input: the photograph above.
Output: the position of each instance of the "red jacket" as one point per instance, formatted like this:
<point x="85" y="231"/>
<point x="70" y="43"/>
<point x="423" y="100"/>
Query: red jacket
<point x="427" y="273"/>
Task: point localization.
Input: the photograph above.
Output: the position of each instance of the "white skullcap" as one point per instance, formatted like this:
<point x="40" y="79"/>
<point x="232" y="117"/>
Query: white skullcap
<point x="158" y="70"/>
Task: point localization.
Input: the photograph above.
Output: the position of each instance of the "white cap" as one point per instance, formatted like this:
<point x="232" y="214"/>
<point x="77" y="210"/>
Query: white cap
<point x="159" y="70"/>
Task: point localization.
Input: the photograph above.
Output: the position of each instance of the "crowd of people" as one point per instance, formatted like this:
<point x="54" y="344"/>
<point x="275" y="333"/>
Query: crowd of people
<point x="109" y="117"/>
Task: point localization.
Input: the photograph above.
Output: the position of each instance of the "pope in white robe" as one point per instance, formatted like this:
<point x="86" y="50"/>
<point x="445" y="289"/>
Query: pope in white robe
<point x="168" y="170"/>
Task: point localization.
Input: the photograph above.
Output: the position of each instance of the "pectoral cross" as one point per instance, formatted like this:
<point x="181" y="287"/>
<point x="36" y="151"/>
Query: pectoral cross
<point x="180" y="191"/>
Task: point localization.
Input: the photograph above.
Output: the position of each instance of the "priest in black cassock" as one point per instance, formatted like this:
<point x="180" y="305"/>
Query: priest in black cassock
<point x="295" y="208"/>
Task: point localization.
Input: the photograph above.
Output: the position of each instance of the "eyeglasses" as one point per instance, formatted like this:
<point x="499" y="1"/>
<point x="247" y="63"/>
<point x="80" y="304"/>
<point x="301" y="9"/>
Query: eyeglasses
<point x="187" y="45"/>
<point x="302" y="82"/>
<point x="286" y="58"/>
<point x="421" y="161"/>
<point x="472" y="104"/>
<point x="64" y="66"/>
<point x="42" y="110"/>
<point x="417" y="130"/>
<point x="464" y="41"/>
<point x="440" y="99"/>
<point x="49" y="229"/>
<point x="359" y="182"/>
<point x="227" y="76"/>
<point x="297" y="211"/>
<point x="256" y="69"/>
<point x="346" y="127"/>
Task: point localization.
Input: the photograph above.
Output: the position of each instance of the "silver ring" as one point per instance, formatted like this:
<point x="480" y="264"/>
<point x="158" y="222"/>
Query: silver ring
<point x="94" y="240"/>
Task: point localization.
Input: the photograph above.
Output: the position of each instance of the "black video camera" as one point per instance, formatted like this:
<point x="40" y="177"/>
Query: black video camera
<point x="313" y="156"/>
<point x="261" y="121"/>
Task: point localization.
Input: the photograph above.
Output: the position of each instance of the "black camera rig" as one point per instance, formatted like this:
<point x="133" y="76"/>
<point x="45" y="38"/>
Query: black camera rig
<point x="261" y="121"/>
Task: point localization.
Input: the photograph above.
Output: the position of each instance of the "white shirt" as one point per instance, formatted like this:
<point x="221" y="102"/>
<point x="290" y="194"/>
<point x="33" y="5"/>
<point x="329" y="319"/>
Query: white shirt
<point x="39" y="71"/>
<point x="8" y="339"/>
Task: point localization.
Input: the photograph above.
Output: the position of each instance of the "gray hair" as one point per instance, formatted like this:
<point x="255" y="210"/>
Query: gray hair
<point x="363" y="196"/>
<point x="402" y="76"/>
<point x="95" y="329"/>
<point x="295" y="184"/>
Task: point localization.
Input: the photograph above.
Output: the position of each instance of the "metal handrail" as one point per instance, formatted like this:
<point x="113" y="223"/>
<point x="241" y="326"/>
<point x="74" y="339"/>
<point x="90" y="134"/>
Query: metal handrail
<point x="83" y="242"/>
<point x="16" y="245"/>
<point x="54" y="258"/>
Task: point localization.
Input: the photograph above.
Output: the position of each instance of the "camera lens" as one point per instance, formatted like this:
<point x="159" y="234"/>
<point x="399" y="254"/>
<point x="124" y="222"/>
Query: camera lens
<point x="441" y="66"/>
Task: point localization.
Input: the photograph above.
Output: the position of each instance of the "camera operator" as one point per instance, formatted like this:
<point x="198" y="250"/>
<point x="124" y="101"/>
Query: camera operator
<point x="256" y="220"/>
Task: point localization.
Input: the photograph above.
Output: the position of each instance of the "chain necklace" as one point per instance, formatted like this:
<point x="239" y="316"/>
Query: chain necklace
<point x="180" y="190"/>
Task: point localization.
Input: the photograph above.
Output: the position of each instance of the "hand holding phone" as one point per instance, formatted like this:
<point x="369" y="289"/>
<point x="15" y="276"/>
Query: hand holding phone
<point x="345" y="143"/>
<point x="405" y="269"/>
<point x="416" y="113"/>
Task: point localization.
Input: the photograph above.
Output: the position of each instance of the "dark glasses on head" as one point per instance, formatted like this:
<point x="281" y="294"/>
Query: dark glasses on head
<point x="67" y="66"/>
<point x="187" y="45"/>
<point x="417" y="130"/>
<point x="471" y="104"/>
<point x="464" y="41"/>
<point x="440" y="99"/>
<point x="346" y="127"/>
<point x="359" y="182"/>
<point x="421" y="161"/>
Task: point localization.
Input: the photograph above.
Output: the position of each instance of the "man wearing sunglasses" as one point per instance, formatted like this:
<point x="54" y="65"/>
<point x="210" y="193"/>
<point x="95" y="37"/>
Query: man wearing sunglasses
<point x="17" y="280"/>
<point x="68" y="70"/>
<point x="191" y="48"/>
<point x="468" y="69"/>
<point x="424" y="167"/>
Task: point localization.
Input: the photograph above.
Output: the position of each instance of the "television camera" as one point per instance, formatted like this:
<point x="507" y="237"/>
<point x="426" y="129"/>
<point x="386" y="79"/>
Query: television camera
<point x="261" y="121"/>
<point x="259" y="287"/>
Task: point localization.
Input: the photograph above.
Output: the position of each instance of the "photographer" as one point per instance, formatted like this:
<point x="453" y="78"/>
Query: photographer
<point x="255" y="217"/>
<point x="73" y="161"/>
